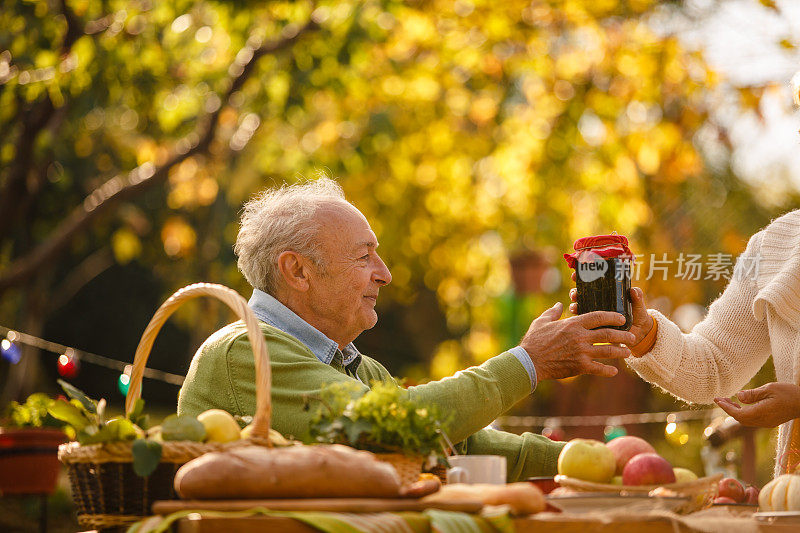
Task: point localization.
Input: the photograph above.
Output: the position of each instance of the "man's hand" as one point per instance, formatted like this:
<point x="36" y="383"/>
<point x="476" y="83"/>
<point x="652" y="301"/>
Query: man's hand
<point x="641" y="324"/>
<point x="767" y="406"/>
<point x="565" y="348"/>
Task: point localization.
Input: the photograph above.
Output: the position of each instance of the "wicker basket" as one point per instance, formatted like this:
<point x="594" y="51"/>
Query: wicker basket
<point x="107" y="492"/>
<point x="408" y="467"/>
<point x="700" y="491"/>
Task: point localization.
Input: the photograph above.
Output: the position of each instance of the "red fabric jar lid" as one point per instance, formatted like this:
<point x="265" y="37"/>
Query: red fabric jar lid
<point x="606" y="246"/>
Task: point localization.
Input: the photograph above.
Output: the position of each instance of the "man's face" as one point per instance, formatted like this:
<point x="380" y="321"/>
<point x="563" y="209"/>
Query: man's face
<point x="343" y="294"/>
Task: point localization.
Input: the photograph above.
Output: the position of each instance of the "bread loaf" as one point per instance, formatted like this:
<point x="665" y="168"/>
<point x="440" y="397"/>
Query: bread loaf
<point x="294" y="472"/>
<point x="522" y="498"/>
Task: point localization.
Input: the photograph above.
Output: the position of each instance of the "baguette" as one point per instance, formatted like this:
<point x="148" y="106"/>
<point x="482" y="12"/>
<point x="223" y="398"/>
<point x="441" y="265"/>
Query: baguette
<point x="522" y="498"/>
<point x="318" y="471"/>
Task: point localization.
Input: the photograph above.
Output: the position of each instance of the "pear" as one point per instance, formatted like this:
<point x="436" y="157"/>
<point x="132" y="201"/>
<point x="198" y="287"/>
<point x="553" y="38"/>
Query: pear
<point x="220" y="425"/>
<point x="683" y="475"/>
<point x="274" y="436"/>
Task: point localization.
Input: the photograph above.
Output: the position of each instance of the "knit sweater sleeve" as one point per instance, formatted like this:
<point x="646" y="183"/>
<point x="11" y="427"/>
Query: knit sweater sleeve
<point x="527" y="455"/>
<point x="476" y="396"/>
<point x="720" y="355"/>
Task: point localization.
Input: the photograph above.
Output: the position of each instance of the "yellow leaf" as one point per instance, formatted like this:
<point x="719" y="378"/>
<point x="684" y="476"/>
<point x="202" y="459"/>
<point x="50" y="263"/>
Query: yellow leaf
<point x="769" y="4"/>
<point x="126" y="245"/>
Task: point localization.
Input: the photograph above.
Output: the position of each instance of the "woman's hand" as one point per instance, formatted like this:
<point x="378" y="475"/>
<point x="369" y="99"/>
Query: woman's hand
<point x="767" y="406"/>
<point x="642" y="321"/>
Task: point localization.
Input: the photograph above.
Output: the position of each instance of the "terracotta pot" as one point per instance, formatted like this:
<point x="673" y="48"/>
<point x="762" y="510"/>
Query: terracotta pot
<point x="29" y="460"/>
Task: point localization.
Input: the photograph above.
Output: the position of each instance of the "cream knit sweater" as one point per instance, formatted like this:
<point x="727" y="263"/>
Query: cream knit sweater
<point x="758" y="314"/>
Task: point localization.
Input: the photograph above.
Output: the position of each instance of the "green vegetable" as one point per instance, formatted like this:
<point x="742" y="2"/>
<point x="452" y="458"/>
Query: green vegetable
<point x="384" y="419"/>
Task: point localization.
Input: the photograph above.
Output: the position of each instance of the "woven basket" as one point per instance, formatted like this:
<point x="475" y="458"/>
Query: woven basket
<point x="408" y="467"/>
<point x="700" y="491"/>
<point x="107" y="492"/>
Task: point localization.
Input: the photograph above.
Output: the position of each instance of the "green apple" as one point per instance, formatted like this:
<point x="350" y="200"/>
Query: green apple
<point x="683" y="475"/>
<point x="587" y="459"/>
<point x="616" y="480"/>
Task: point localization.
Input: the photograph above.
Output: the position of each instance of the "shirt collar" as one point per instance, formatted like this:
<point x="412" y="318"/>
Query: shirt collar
<point x="268" y="309"/>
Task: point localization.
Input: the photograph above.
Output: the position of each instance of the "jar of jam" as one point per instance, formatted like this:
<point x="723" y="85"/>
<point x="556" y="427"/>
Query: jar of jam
<point x="602" y="266"/>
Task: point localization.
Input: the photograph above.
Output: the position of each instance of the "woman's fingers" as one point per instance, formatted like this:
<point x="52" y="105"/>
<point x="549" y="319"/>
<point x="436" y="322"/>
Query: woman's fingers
<point x="727" y="405"/>
<point x="751" y="395"/>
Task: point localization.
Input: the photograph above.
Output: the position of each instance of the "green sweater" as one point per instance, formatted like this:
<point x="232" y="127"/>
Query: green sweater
<point x="222" y="375"/>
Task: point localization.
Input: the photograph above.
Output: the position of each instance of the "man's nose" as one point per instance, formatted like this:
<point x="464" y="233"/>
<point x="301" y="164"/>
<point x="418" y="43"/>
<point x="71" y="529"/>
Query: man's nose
<point x="382" y="274"/>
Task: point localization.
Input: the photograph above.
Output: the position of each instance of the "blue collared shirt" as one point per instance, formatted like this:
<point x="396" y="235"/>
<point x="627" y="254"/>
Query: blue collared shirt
<point x="268" y="309"/>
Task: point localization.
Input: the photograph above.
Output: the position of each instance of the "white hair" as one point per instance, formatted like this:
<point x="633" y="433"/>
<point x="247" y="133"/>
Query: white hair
<point x="282" y="219"/>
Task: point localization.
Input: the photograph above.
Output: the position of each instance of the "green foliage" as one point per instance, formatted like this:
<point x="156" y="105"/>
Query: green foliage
<point x="465" y="132"/>
<point x="384" y="419"/>
<point x="87" y="418"/>
<point x="76" y="394"/>
<point x="146" y="456"/>
<point x="72" y="413"/>
<point x="183" y="427"/>
<point x="33" y="413"/>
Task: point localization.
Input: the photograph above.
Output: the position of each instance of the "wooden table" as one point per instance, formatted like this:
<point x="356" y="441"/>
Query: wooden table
<point x="551" y="524"/>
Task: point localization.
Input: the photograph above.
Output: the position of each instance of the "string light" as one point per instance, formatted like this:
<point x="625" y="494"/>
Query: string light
<point x="68" y="364"/>
<point x="85" y="357"/>
<point x="552" y="430"/>
<point x="527" y="422"/>
<point x="70" y="359"/>
<point x="612" y="432"/>
<point x="124" y="380"/>
<point x="676" y="433"/>
<point x="9" y="350"/>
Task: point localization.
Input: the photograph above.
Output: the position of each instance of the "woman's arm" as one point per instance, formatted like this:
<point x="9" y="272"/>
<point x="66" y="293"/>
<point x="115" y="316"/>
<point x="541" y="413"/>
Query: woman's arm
<point x="721" y="353"/>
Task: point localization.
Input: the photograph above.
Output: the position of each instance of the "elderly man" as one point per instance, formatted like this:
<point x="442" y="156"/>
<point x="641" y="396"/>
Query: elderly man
<point x="312" y="260"/>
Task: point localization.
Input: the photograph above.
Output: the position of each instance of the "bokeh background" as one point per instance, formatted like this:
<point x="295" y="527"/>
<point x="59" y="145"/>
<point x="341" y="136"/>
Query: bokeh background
<point x="479" y="138"/>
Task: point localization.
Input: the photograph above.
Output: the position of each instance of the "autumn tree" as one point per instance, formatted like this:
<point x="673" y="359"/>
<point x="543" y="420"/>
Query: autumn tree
<point x="465" y="131"/>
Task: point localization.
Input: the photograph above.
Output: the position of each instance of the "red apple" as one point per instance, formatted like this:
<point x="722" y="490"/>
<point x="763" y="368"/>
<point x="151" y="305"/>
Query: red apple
<point x="730" y="488"/>
<point x="723" y="500"/>
<point x="648" y="469"/>
<point x="751" y="495"/>
<point x="624" y="448"/>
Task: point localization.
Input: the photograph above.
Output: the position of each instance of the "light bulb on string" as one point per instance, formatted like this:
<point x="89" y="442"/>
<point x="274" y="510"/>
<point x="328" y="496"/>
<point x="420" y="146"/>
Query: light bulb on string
<point x="552" y="430"/>
<point x="676" y="433"/>
<point x="68" y="364"/>
<point x="9" y="350"/>
<point x="124" y="380"/>
<point x="611" y="432"/>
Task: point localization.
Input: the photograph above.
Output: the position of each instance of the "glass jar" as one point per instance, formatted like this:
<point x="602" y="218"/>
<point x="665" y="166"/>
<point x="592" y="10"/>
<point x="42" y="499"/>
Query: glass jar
<point x="602" y="266"/>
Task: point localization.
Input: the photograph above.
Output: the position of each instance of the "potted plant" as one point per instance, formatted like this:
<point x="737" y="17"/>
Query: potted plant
<point x="29" y="439"/>
<point x="384" y="420"/>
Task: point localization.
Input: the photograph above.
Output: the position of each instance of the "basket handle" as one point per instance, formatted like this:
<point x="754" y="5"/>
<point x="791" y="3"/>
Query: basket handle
<point x="261" y="418"/>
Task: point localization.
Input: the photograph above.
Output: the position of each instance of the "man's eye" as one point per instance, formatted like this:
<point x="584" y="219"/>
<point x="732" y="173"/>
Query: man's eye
<point x="364" y="257"/>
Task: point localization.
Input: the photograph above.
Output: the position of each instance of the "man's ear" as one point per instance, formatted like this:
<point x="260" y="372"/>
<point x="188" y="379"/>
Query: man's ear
<point x="294" y="270"/>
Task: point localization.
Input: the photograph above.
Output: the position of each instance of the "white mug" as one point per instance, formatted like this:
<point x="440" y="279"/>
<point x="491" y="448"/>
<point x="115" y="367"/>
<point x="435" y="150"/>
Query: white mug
<point x="477" y="469"/>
